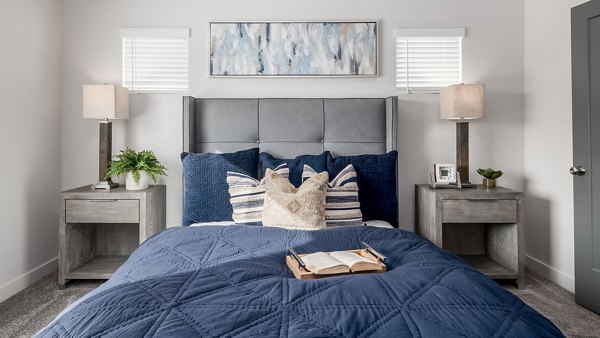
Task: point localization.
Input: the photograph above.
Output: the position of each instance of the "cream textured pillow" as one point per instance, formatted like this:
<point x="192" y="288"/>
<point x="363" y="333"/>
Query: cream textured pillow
<point x="289" y="207"/>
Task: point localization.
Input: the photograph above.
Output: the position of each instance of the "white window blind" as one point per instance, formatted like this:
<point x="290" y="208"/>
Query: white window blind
<point x="155" y="60"/>
<point x="428" y="59"/>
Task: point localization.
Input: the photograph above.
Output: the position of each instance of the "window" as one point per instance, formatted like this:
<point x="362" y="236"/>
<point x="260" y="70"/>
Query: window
<point x="428" y="59"/>
<point x="155" y="60"/>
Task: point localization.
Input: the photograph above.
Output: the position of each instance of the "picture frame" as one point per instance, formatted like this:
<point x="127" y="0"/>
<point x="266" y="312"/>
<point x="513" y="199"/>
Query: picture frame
<point x="444" y="173"/>
<point x="293" y="49"/>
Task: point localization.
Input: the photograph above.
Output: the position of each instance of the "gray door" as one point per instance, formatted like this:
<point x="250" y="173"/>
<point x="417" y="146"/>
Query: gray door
<point x="585" y="34"/>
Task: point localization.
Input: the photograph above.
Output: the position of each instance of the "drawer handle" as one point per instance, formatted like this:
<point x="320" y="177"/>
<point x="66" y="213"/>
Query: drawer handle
<point x="102" y="200"/>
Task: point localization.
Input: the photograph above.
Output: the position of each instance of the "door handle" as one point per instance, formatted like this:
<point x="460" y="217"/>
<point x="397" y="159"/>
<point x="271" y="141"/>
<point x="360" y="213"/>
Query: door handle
<point x="577" y="171"/>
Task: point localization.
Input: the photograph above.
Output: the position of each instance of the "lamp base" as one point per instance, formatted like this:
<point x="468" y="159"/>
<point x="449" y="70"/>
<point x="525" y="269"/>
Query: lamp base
<point x="104" y="185"/>
<point x="464" y="185"/>
<point x="462" y="151"/>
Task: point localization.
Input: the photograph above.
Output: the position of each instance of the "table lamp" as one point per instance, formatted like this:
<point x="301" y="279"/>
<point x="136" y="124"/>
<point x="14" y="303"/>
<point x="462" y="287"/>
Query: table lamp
<point x="105" y="102"/>
<point x="462" y="102"/>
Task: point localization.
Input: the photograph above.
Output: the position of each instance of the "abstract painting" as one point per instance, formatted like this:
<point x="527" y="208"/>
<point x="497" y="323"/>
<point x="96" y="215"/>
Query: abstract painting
<point x="293" y="48"/>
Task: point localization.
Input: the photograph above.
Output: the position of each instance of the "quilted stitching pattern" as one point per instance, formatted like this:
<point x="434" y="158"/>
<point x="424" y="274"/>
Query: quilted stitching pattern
<point x="232" y="281"/>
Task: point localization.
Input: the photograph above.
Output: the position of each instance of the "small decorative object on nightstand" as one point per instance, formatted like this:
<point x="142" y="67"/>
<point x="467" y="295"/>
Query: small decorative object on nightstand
<point x="444" y="173"/>
<point x="489" y="176"/>
<point x="139" y="168"/>
<point x="99" y="229"/>
<point x="483" y="226"/>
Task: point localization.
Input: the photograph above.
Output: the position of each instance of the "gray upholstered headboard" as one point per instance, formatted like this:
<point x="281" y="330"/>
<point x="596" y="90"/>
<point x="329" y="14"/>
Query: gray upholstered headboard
<point x="287" y="128"/>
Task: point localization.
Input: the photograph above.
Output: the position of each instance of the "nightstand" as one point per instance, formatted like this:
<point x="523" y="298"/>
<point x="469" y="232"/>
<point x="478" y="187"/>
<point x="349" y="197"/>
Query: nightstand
<point x="482" y="226"/>
<point x="99" y="229"/>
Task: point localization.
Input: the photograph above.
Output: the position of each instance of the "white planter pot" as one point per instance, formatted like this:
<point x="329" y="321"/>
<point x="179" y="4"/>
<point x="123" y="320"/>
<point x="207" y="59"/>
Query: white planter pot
<point x="143" y="183"/>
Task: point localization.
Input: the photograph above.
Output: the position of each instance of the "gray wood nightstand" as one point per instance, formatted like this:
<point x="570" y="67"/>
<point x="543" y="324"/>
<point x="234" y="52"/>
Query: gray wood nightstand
<point x="99" y="229"/>
<point x="483" y="226"/>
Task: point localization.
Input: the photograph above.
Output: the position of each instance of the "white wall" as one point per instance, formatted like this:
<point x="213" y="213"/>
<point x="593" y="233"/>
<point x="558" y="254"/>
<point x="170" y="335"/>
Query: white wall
<point x="493" y="54"/>
<point x="548" y="140"/>
<point x="29" y="141"/>
<point x="534" y="150"/>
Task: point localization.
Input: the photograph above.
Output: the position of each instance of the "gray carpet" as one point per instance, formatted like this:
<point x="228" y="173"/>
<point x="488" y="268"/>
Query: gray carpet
<point x="558" y="305"/>
<point x="30" y="310"/>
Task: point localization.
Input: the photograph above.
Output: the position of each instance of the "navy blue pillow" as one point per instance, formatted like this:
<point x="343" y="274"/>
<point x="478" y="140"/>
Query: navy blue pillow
<point x="206" y="193"/>
<point x="296" y="165"/>
<point x="376" y="175"/>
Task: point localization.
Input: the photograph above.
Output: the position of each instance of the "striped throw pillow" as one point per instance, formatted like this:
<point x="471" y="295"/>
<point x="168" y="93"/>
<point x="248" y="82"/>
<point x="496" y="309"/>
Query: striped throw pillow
<point x="342" y="207"/>
<point x="247" y="195"/>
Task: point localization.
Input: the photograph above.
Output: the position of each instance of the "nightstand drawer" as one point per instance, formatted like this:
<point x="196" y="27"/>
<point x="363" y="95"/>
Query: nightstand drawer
<point x="102" y="211"/>
<point x="479" y="211"/>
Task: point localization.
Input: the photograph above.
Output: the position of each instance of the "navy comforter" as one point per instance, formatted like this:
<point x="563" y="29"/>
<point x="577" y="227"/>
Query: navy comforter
<point x="232" y="281"/>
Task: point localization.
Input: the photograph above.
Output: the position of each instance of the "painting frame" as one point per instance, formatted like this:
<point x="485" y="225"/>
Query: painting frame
<point x="373" y="45"/>
<point x="445" y="173"/>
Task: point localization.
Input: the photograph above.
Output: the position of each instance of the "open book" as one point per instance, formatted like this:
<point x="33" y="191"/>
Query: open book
<point x="322" y="263"/>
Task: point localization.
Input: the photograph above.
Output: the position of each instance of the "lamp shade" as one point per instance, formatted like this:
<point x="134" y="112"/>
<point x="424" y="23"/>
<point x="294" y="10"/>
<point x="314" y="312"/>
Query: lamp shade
<point x="105" y="102"/>
<point x="462" y="101"/>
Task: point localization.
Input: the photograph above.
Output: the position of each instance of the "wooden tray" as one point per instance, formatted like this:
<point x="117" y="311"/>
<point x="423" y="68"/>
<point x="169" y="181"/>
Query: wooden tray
<point x="301" y="273"/>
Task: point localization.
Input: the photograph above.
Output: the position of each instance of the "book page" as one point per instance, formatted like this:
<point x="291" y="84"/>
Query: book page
<point x="322" y="263"/>
<point x="354" y="261"/>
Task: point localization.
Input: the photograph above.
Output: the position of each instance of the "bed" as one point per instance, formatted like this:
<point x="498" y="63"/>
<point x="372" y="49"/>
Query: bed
<point x="219" y="280"/>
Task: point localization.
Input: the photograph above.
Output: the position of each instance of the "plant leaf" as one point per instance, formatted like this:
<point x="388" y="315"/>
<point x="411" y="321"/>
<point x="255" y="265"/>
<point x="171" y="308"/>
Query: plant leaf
<point x="130" y="160"/>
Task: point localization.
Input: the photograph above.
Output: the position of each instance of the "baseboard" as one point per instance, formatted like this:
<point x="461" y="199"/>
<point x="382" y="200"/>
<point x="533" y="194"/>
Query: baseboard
<point x="550" y="273"/>
<point x="22" y="282"/>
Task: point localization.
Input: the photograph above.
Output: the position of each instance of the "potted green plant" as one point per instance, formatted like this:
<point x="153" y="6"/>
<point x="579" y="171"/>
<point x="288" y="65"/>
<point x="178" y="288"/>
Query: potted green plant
<point x="138" y="167"/>
<point x="489" y="176"/>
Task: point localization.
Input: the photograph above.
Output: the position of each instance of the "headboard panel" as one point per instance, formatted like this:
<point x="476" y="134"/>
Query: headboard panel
<point x="287" y="128"/>
<point x="290" y="127"/>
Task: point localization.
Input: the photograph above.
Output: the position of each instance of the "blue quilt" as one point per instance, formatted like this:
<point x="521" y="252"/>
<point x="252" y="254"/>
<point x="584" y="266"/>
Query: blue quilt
<point x="233" y="282"/>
